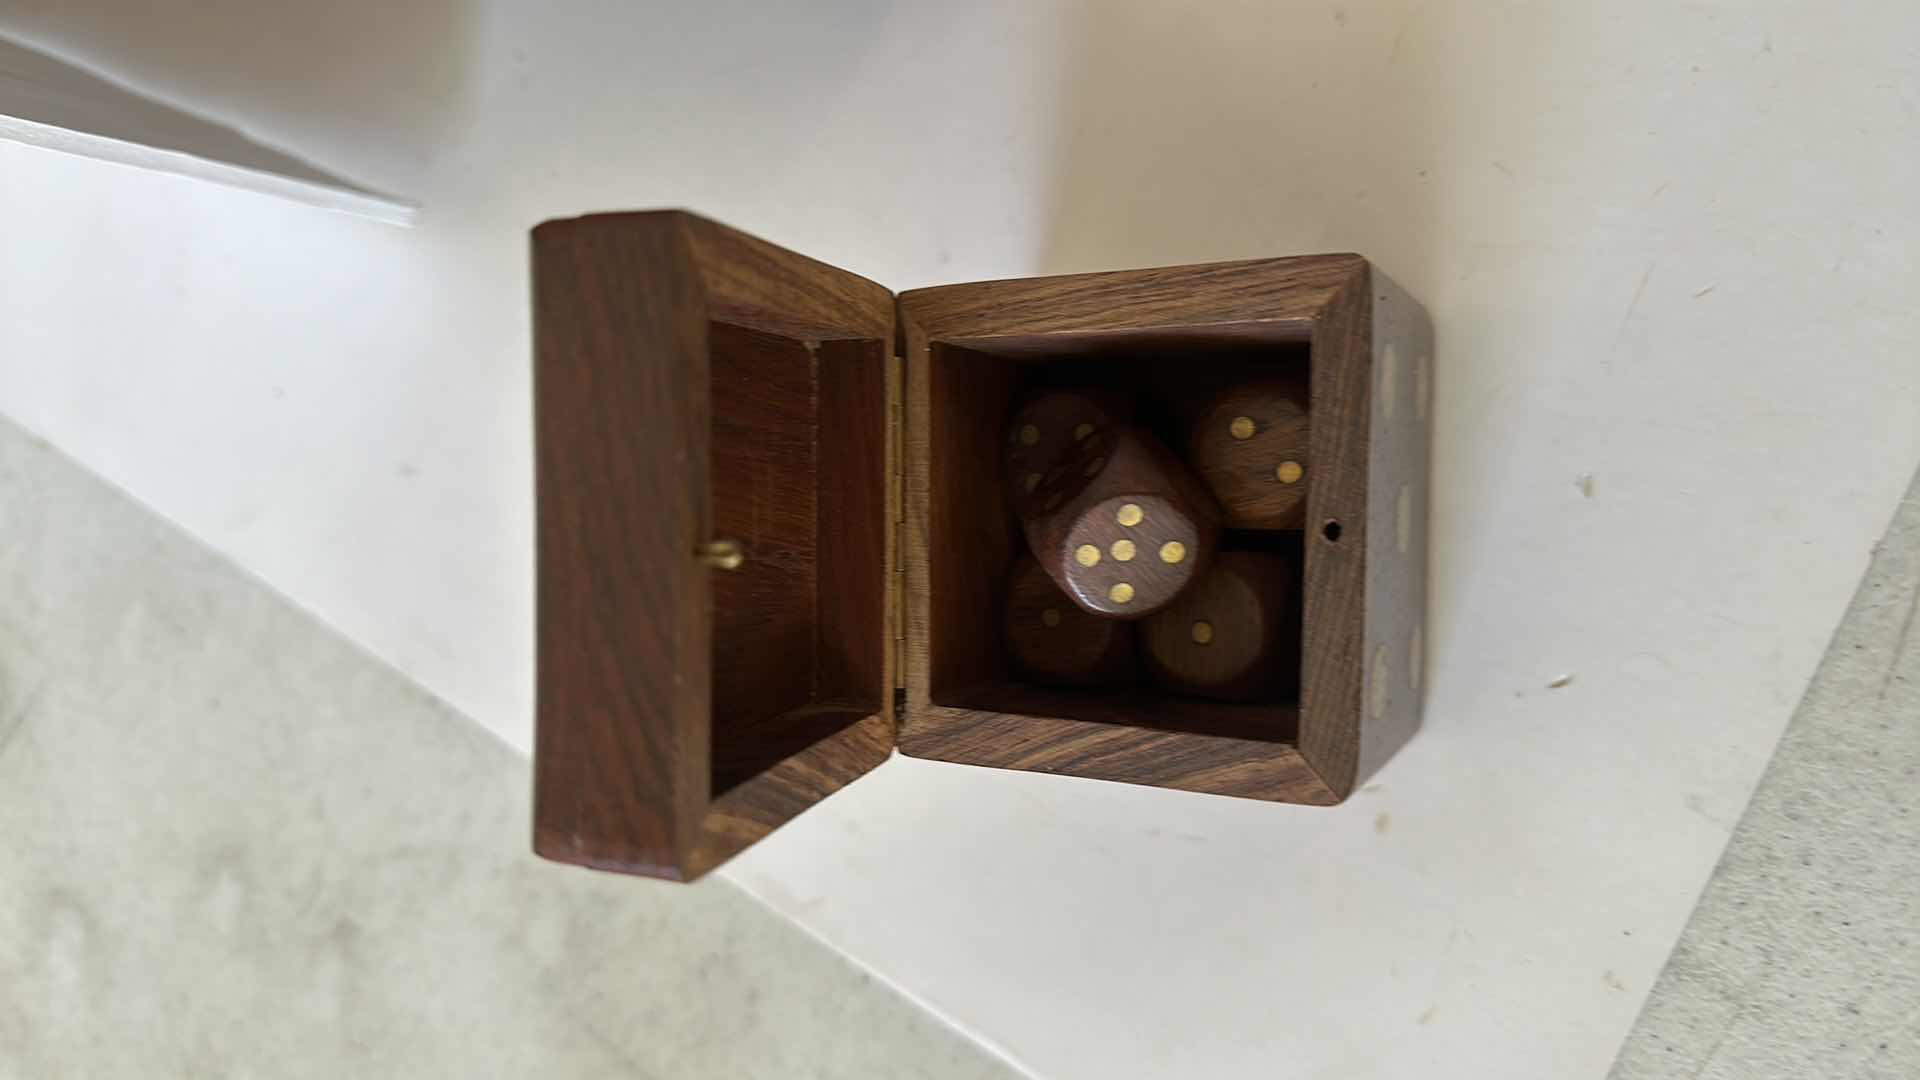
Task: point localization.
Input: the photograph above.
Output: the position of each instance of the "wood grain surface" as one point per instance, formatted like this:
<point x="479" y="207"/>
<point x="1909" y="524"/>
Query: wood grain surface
<point x="1250" y="447"/>
<point x="970" y="349"/>
<point x="1105" y="537"/>
<point x="1334" y="594"/>
<point x="691" y="381"/>
<point x="1052" y="438"/>
<point x="1227" y="637"/>
<point x="1053" y="640"/>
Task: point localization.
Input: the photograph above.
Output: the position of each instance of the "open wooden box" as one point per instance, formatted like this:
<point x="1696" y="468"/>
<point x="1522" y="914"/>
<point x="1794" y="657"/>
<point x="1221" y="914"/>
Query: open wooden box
<point x="695" y="384"/>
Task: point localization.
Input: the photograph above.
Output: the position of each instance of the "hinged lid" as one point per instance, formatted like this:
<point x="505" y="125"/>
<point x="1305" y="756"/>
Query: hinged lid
<point x="706" y="399"/>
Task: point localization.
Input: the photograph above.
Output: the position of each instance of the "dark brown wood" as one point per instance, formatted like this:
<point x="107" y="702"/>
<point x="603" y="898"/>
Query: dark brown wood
<point x="1250" y="447"/>
<point x="764" y="423"/>
<point x="693" y="384"/>
<point x="1334" y="593"/>
<point x="1052" y="439"/>
<point x="1227" y="636"/>
<point x="970" y="350"/>
<point x="1155" y="739"/>
<point x="1053" y="640"/>
<point x="1125" y="528"/>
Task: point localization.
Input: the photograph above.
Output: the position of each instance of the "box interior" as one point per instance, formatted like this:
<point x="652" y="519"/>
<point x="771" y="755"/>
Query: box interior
<point x="798" y="480"/>
<point x="973" y="537"/>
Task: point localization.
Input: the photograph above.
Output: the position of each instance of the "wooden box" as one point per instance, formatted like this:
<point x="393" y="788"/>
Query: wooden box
<point x="695" y="384"/>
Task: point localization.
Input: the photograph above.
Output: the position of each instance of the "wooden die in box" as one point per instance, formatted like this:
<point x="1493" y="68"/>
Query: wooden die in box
<point x="772" y="536"/>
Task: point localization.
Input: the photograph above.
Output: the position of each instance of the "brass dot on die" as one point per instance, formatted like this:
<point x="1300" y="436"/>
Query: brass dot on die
<point x="1202" y="632"/>
<point x="1029" y="435"/>
<point x="1121" y="593"/>
<point x="1032" y="481"/>
<point x="1123" y="550"/>
<point x="1050" y="617"/>
<point x="1129" y="515"/>
<point x="1086" y="555"/>
<point x="1082" y="432"/>
<point x="1289" y="472"/>
<point x="1172" y="552"/>
<point x="1241" y="428"/>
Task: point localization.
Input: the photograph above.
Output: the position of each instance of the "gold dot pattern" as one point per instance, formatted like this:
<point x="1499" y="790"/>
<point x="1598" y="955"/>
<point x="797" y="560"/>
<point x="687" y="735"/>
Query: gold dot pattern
<point x="1218" y="632"/>
<point x="1289" y="472"/>
<point x="1241" y="427"/>
<point x="1377" y="682"/>
<point x="1082" y="432"/>
<point x="1050" y="617"/>
<point x="1097" y="555"/>
<point x="1389" y="379"/>
<point x="1032" y="481"/>
<point x="1029" y="435"/>
<point x="1121" y="593"/>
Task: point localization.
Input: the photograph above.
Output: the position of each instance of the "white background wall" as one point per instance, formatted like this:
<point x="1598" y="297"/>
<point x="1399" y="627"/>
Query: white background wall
<point x="345" y="407"/>
<point x="1667" y="246"/>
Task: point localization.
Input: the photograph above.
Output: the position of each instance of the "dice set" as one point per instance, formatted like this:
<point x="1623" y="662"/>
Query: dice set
<point x="1125" y="578"/>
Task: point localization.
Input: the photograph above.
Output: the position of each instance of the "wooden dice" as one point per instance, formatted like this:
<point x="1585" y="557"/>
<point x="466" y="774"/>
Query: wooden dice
<point x="1052" y="439"/>
<point x="1120" y="524"/>
<point x="1228" y="636"/>
<point x="1120" y="529"/>
<point x="1054" y="641"/>
<point x="1249" y="447"/>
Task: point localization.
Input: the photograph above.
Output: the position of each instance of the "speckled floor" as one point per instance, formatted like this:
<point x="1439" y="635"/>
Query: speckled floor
<point x="233" y="844"/>
<point x="1803" y="957"/>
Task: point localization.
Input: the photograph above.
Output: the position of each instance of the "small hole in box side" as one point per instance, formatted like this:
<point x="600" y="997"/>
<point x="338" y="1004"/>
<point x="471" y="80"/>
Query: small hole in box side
<point x="1331" y="530"/>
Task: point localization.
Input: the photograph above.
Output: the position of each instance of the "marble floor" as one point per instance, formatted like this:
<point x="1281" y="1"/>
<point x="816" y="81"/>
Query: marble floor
<point x="1803" y="957"/>
<point x="234" y="844"/>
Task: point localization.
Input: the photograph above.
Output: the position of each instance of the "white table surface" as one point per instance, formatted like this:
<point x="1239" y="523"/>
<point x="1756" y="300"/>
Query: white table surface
<point x="1667" y="247"/>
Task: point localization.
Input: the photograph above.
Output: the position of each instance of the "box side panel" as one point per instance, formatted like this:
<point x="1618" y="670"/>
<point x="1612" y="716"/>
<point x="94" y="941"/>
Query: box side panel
<point x="1397" y="508"/>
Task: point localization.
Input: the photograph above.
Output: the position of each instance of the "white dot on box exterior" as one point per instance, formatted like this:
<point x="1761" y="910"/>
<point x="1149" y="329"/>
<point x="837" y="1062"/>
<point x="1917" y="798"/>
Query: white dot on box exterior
<point x="1377" y="682"/>
<point x="1403" y="518"/>
<point x="1389" y="377"/>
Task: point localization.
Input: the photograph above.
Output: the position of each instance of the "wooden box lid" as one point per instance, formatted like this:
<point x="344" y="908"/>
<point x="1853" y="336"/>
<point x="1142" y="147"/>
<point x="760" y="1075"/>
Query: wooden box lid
<point x="694" y="384"/>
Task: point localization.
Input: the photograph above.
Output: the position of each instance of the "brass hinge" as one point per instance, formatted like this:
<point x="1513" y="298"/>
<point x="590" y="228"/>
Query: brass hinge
<point x="897" y="450"/>
<point x="897" y="457"/>
<point x="900" y="629"/>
